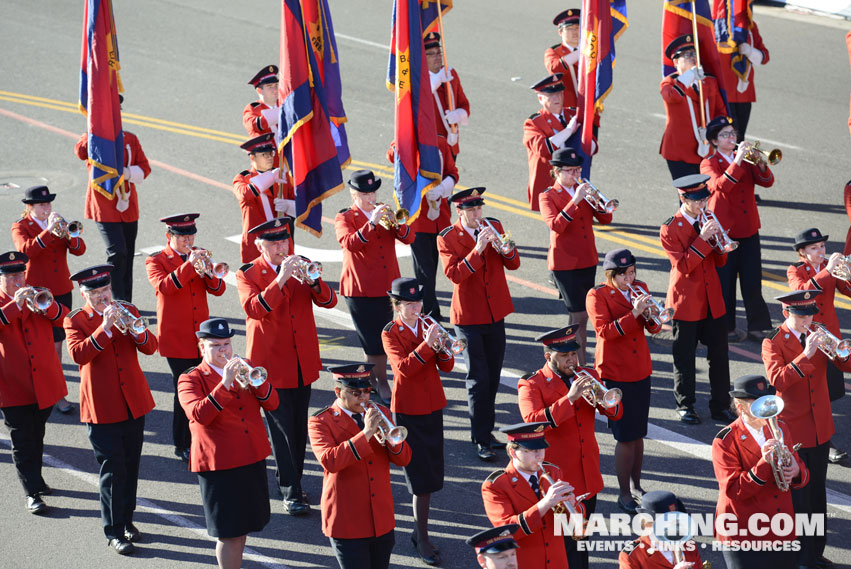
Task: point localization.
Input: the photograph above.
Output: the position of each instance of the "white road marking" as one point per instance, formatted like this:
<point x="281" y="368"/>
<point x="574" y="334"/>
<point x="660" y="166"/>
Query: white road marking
<point x="326" y="255"/>
<point x="751" y="137"/>
<point x="338" y="35"/>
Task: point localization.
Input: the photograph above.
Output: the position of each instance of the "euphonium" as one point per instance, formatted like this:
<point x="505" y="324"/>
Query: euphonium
<point x="596" y="393"/>
<point x="390" y="219"/>
<point x="769" y="407"/>
<point x="387" y="430"/>
<point x="248" y="376"/>
<point x="67" y="229"/>
<point x="307" y="270"/>
<point x="655" y="312"/>
<point x="126" y="322"/>
<point x="448" y="344"/>
<point x="721" y="241"/>
<point x="842" y="270"/>
<point x="756" y="155"/>
<point x="206" y="267"/>
<point x="596" y="198"/>
<point x="832" y="346"/>
<point x="38" y="299"/>
<point x="505" y="244"/>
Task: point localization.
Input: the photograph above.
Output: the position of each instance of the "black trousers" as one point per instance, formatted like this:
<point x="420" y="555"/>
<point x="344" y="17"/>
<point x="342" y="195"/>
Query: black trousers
<point x="364" y="553"/>
<point x="678" y="169"/>
<point x="712" y="333"/>
<point x="424" y="257"/>
<point x="835" y="382"/>
<point x="120" y="239"/>
<point x="179" y="422"/>
<point x="745" y="263"/>
<point x="288" y="433"/>
<point x="579" y="559"/>
<point x="118" y="450"/>
<point x="741" y="115"/>
<point x="26" y="429"/>
<point x="483" y="358"/>
<point x="812" y="499"/>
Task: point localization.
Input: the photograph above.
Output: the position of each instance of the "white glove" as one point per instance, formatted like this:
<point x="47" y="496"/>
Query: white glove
<point x="559" y="138"/>
<point x="742" y="85"/>
<point x="285" y="206"/>
<point x="458" y="116"/>
<point x="271" y="115"/>
<point x="135" y="174"/>
<point x="688" y="78"/>
<point x="702" y="149"/>
<point x="433" y="211"/>
<point x="571" y="57"/>
<point x="754" y="55"/>
<point x="266" y="179"/>
<point x="451" y="138"/>
<point x="443" y="190"/>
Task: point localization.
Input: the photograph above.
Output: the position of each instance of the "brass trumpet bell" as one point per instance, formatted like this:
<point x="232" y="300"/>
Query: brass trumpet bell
<point x="37" y="299"/>
<point x="757" y="154"/>
<point x="392" y="220"/>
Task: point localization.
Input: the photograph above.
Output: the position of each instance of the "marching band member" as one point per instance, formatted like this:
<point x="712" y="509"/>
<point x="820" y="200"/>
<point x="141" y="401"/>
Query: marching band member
<point x="278" y="298"/>
<point x="114" y="396"/>
<point x="623" y="361"/>
<point x="229" y="444"/>
<point x="572" y="257"/>
<point x="694" y="292"/>
<point x="815" y="270"/>
<point x="682" y="144"/>
<point x="117" y="216"/>
<point x="563" y="58"/>
<point x="732" y="182"/>
<point x="261" y="116"/>
<point x="181" y="308"/>
<point x="262" y="193"/>
<point x="39" y="234"/>
<point x="413" y="349"/>
<point x="516" y="495"/>
<point x="357" y="500"/>
<point x="447" y="116"/>
<point x="369" y="267"/>
<point x="796" y="367"/>
<point x="495" y="547"/>
<point x="480" y="303"/>
<point x="554" y="394"/>
<point x="742" y="458"/>
<point x="27" y="391"/>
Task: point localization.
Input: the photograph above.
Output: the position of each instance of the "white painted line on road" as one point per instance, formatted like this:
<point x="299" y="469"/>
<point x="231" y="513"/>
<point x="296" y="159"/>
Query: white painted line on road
<point x="752" y="137"/>
<point x="326" y="255"/>
<point x="363" y="41"/>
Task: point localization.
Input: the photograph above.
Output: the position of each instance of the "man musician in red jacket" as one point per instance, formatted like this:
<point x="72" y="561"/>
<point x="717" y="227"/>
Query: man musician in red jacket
<point x="451" y="107"/>
<point x="261" y="116"/>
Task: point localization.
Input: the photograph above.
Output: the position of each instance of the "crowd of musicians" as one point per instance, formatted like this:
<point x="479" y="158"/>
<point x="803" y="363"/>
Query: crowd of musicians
<point x="772" y="456"/>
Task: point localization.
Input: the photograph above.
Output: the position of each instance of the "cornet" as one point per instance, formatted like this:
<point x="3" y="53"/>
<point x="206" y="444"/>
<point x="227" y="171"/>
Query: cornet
<point x="67" y="229"/>
<point x="126" y="322"/>
<point x="307" y="270"/>
<point x="390" y="220"/>
<point x="206" y="267"/>
<point x="596" y="394"/>
<point x="721" y="241"/>
<point x="387" y="430"/>
<point x="655" y="311"/>
<point x="505" y="244"/>
<point x="597" y="200"/>
<point x="564" y="507"/>
<point x="38" y="299"/>
<point x="248" y="376"/>
<point x="447" y="343"/>
<point x="832" y="346"/>
<point x="756" y="155"/>
<point x="769" y="407"/>
<point x="842" y="270"/>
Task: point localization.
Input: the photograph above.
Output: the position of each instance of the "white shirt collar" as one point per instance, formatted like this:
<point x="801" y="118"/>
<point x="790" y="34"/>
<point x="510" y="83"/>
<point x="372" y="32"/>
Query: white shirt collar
<point x="367" y="215"/>
<point x="413" y="330"/>
<point x="470" y="230"/>
<point x="797" y="333"/>
<point x="689" y="218"/>
<point x="218" y="370"/>
<point x="40" y="223"/>
<point x="757" y="434"/>
<point x="349" y="413"/>
<point x="729" y="158"/>
<point x="268" y="262"/>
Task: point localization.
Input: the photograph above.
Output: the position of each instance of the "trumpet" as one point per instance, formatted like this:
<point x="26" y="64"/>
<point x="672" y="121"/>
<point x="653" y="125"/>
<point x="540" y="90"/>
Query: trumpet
<point x="206" y="267"/>
<point x="829" y="344"/>
<point x="769" y="407"/>
<point x="387" y="430"/>
<point x="248" y="376"/>
<point x="721" y="241"/>
<point x="597" y="200"/>
<point x="655" y="311"/>
<point x="842" y="270"/>
<point x="126" y="322"/>
<point x="307" y="270"/>
<point x="596" y="394"/>
<point x="505" y="244"/>
<point x="447" y="343"/>
<point x="392" y="220"/>
<point x="564" y="507"/>
<point x="38" y="299"/>
<point x="756" y="155"/>
<point x="67" y="229"/>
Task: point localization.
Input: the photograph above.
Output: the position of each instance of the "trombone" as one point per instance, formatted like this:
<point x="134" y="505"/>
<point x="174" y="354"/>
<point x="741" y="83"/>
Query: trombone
<point x="307" y="270"/>
<point x="126" y="322"/>
<point x="756" y="155"/>
<point x="248" y="376"/>
<point x="596" y="394"/>
<point x="597" y="200"/>
<point x="769" y="407"/>
<point x="829" y="344"/>
<point x="505" y="244"/>
<point x="206" y="267"/>
<point x="38" y="299"/>
<point x="387" y="430"/>
<point x="447" y="343"/>
<point x="655" y="311"/>
<point x="67" y="229"/>
<point x="392" y="220"/>
<point x="721" y="241"/>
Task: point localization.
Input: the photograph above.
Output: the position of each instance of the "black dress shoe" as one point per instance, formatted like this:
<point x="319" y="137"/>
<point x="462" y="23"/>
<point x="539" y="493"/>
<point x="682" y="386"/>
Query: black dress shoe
<point x="132" y="533"/>
<point x="824" y="563"/>
<point x="725" y="416"/>
<point x="433" y="559"/>
<point x="485" y="452"/>
<point x="296" y="507"/>
<point x="121" y="546"/>
<point x="35" y="504"/>
<point x="495" y="443"/>
<point x="182" y="454"/>
<point x="628" y="507"/>
<point x="835" y="455"/>
<point x="688" y="416"/>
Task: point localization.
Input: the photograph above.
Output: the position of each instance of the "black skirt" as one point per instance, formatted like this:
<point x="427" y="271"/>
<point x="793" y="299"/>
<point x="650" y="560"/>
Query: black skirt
<point x="424" y="474"/>
<point x="370" y="316"/>
<point x="59" y="331"/>
<point x="236" y="501"/>
<point x="574" y="286"/>
<point x="636" y="409"/>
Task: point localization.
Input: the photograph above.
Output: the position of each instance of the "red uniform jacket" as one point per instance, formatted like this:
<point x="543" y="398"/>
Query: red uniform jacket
<point x="847" y="196"/>
<point x="802" y="385"/>
<point x="48" y="264"/>
<point x="693" y="286"/>
<point x="181" y="302"/>
<point x="572" y="244"/>
<point x="678" y="142"/>
<point x="252" y="119"/>
<point x="537" y="130"/>
<point x="731" y="80"/>
<point x="732" y="190"/>
<point x="251" y="204"/>
<point x="98" y="206"/>
<point x="458" y="98"/>
<point x="111" y="381"/>
<point x="746" y="483"/>
<point x="573" y="444"/>
<point x="356" y="473"/>
<point x="803" y="276"/>
<point x="622" y="352"/>
<point x="480" y="292"/>
<point x="227" y="430"/>
<point x="644" y="556"/>
<point x="554" y="64"/>
<point x="30" y="372"/>
<point x="280" y="328"/>
<point x="417" y="389"/>
<point x="369" y="254"/>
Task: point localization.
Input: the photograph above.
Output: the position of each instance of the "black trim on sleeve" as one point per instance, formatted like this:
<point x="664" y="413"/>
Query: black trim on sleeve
<point x="699" y="254"/>
<point x="263" y="302"/>
<point x="354" y="450"/>
<point x="175" y="280"/>
<point x="214" y="402"/>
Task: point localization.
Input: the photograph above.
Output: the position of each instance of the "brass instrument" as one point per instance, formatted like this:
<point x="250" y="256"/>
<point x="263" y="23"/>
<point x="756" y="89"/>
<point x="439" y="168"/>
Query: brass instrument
<point x="832" y="346"/>
<point x="206" y="267"/>
<point x="248" y="376"/>
<point x="387" y="430"/>
<point x="448" y="344"/>
<point x="655" y="312"/>
<point x="596" y="393"/>
<point x="392" y="220"/>
<point x="307" y="270"/>
<point x="126" y="322"/>
<point x="721" y="241"/>
<point x="756" y="155"/>
<point x="564" y="507"/>
<point x="67" y="229"/>
<point x="842" y="270"/>
<point x="505" y="244"/>
<point x="597" y="200"/>
<point x="769" y="407"/>
<point x="38" y="299"/>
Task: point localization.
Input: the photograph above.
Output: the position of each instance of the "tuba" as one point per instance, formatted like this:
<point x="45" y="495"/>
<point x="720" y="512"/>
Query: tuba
<point x="126" y="322"/>
<point x="721" y="241"/>
<point x="596" y="394"/>
<point x="206" y="267"/>
<point x="38" y="299"/>
<point x="655" y="311"/>
<point x="769" y="407"/>
<point x="505" y="244"/>
<point x="248" y="376"/>
<point x="832" y="346"/>
<point x="756" y="155"/>
<point x="597" y="200"/>
<point x="392" y="220"/>
<point x="307" y="270"/>
<point x="447" y="343"/>
<point x="842" y="270"/>
<point x="387" y="430"/>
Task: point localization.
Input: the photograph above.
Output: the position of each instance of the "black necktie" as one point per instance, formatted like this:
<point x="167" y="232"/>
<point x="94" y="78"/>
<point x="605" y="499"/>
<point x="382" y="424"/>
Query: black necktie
<point x="562" y="121"/>
<point x="533" y="482"/>
<point x="803" y="339"/>
<point x="696" y="226"/>
<point x="358" y="419"/>
<point x="184" y="257"/>
<point x="476" y="235"/>
<point x="277" y="269"/>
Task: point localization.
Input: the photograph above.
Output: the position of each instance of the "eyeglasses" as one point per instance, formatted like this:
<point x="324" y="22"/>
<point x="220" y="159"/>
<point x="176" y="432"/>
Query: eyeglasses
<point x="572" y="171"/>
<point x="358" y="392"/>
<point x="690" y="54"/>
<point x="727" y="134"/>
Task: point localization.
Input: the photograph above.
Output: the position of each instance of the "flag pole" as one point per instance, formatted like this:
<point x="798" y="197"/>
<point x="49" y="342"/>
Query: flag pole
<point x="450" y="99"/>
<point x="697" y="55"/>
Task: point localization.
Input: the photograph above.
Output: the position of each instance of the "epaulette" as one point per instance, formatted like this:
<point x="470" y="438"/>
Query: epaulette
<point x="533" y="117"/>
<point x="389" y="326"/>
<point x="669" y="220"/>
<point x="555" y="46"/>
<point x="445" y="231"/>
<point x="246" y="266"/>
<point x="245" y="172"/>
<point x="494" y="475"/>
<point x="155" y="253"/>
<point x="255" y="104"/>
<point x="773" y="333"/>
<point x="188" y="371"/>
<point x="73" y="313"/>
<point x="528" y="375"/>
<point x="599" y="286"/>
<point x="344" y="210"/>
<point x="20" y="219"/>
<point x="723" y="433"/>
<point x="321" y="411"/>
<point x="798" y="264"/>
